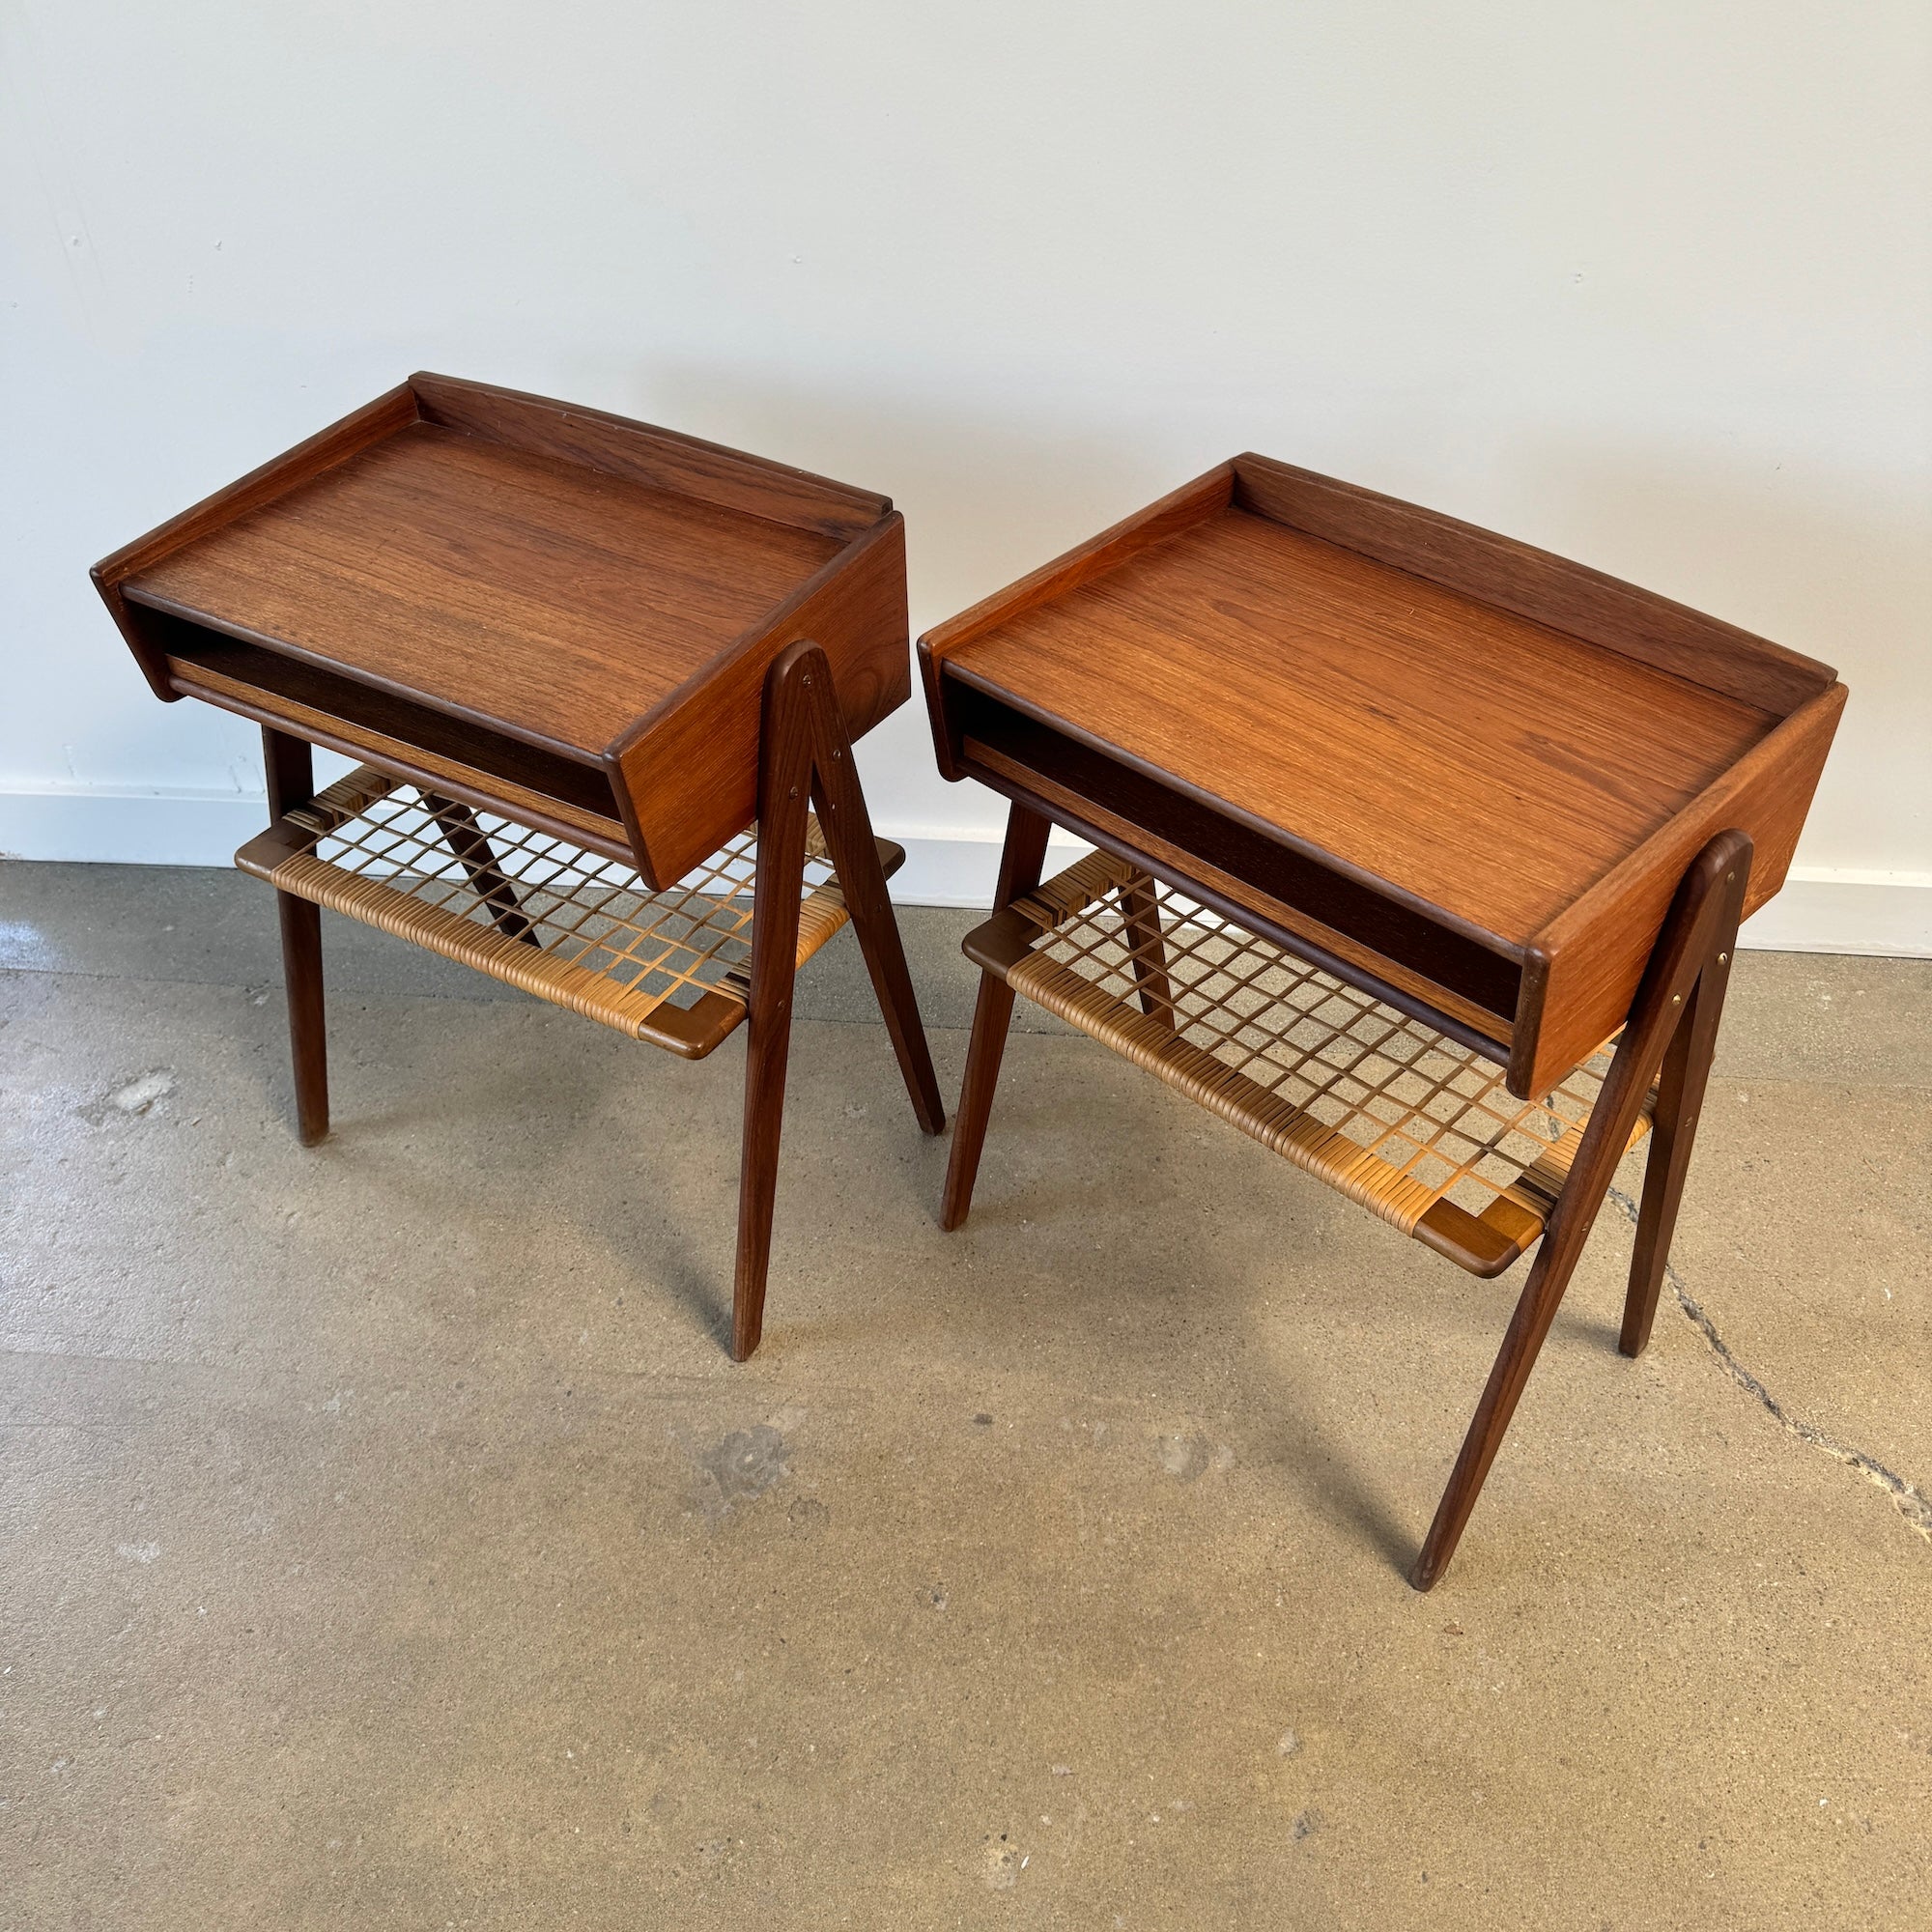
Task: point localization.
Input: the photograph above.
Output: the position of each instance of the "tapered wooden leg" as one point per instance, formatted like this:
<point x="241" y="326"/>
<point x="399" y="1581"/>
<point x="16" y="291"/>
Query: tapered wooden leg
<point x="1548" y="1276"/>
<point x="470" y="844"/>
<point x="848" y="831"/>
<point x="1680" y="1102"/>
<point x="1140" y="913"/>
<point x="783" y="784"/>
<point x="290" y="766"/>
<point x="1020" y="863"/>
<point x="1707" y="902"/>
<point x="308" y="1027"/>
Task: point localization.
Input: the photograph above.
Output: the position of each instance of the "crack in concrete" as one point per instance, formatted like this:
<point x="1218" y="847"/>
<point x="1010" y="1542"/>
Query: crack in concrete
<point x="1914" y="1507"/>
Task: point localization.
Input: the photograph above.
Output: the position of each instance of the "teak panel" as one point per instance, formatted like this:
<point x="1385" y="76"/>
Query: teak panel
<point x="310" y="456"/>
<point x="1469" y="757"/>
<point x="1178" y="510"/>
<point x="569" y="612"/>
<point x="660" y="458"/>
<point x="856" y="609"/>
<point x="1238" y="898"/>
<point x="1270" y="874"/>
<point x="1508" y="750"/>
<point x="1511" y="576"/>
<point x="549" y="600"/>
<point x="1578" y="978"/>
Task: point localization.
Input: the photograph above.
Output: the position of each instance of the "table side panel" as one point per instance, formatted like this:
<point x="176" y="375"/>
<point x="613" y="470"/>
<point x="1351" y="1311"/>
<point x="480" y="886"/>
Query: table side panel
<point x="689" y="771"/>
<point x="1468" y="756"/>
<point x="1581" y="975"/>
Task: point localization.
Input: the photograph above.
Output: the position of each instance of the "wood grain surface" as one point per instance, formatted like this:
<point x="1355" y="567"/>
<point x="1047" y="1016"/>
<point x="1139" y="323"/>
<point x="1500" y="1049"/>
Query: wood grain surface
<point x="661" y="458"/>
<point x="336" y="443"/>
<point x="533" y="594"/>
<point x="1178" y="510"/>
<point x="1486" y="1029"/>
<point x="1512" y="576"/>
<point x="536" y="606"/>
<point x="1468" y="756"/>
<point x="855" y="610"/>
<point x="1582" y="970"/>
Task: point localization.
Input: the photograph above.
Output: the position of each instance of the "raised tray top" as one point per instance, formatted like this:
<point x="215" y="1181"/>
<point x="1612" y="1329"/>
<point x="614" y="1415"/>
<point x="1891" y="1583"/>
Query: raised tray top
<point x="507" y="585"/>
<point x="1478" y="761"/>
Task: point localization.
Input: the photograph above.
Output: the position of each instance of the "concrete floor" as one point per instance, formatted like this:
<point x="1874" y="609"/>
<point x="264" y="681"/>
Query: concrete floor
<point x="386" y="1539"/>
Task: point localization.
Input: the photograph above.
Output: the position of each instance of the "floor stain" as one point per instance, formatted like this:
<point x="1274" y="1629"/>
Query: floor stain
<point x="741" y="1465"/>
<point x="137" y="1099"/>
<point x="1188" y="1457"/>
<point x="1003" y="1865"/>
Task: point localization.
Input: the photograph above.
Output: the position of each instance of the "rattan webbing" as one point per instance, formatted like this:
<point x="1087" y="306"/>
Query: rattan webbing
<point x="1377" y="1104"/>
<point x="583" y="931"/>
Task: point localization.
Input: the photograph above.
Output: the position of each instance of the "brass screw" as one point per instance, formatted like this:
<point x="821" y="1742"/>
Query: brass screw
<point x="1723" y="958"/>
<point x="1677" y="998"/>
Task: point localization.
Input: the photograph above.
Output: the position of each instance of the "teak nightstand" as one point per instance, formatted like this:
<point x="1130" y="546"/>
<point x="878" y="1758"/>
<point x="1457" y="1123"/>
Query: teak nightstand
<point x="1421" y="859"/>
<point x="580" y="657"/>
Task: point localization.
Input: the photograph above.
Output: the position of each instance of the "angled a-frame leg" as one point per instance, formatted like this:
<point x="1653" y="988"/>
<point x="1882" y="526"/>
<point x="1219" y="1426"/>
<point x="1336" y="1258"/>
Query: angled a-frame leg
<point x="1691" y="953"/>
<point x="469" y="845"/>
<point x="1140" y="913"/>
<point x="1674" y="1127"/>
<point x="847" y="827"/>
<point x="805" y="753"/>
<point x="290" y="766"/>
<point x="1020" y="860"/>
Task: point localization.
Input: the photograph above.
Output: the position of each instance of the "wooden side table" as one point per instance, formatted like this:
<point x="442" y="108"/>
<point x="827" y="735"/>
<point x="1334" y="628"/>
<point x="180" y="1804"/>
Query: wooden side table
<point x="580" y="657"/>
<point x="1421" y="859"/>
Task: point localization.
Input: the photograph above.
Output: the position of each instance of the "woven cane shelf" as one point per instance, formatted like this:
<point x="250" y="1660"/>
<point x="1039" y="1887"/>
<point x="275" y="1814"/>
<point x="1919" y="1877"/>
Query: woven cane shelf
<point x="567" y="926"/>
<point x="1410" y="1124"/>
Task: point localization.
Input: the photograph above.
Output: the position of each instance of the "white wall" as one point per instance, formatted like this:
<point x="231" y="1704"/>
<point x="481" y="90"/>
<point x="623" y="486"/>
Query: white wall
<point x="1648" y="285"/>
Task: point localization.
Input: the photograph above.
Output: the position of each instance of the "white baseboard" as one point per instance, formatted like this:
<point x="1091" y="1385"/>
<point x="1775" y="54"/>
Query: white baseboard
<point x="183" y="828"/>
<point x="1820" y="910"/>
<point x="960" y="868"/>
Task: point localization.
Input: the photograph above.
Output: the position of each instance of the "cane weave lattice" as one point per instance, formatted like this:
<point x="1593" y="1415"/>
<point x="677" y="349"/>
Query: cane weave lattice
<point x="1416" y="1127"/>
<point x="567" y="926"/>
